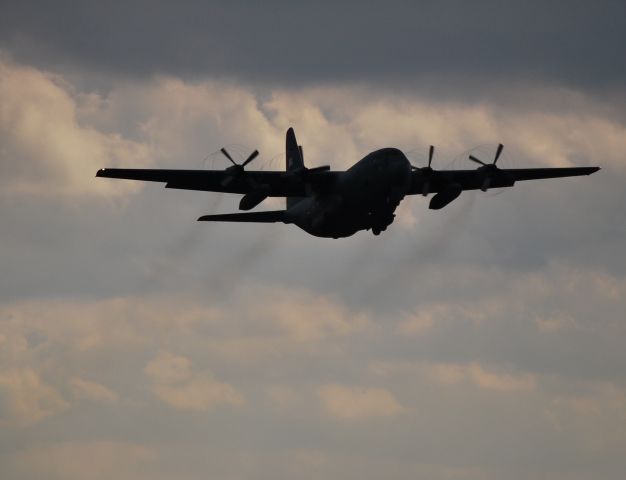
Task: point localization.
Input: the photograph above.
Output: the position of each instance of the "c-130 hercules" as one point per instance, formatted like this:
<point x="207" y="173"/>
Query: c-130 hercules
<point x="338" y="204"/>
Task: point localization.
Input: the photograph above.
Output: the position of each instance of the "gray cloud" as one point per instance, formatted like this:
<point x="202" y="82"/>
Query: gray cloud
<point x="282" y="42"/>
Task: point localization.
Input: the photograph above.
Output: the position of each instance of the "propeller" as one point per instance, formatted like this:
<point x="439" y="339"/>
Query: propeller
<point x="236" y="169"/>
<point x="431" y="152"/>
<point x="495" y="160"/>
<point x="491" y="166"/>
<point x="426" y="170"/>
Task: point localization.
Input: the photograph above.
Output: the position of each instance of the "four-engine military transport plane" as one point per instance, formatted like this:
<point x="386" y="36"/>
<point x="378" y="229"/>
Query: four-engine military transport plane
<point x="338" y="204"/>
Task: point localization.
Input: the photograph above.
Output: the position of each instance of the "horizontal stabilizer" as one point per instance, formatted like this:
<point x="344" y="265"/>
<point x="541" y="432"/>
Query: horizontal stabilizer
<point x="254" y="217"/>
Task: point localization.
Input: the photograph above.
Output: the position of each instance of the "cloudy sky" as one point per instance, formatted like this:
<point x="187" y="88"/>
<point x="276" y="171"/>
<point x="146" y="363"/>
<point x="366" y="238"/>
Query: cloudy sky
<point x="483" y="341"/>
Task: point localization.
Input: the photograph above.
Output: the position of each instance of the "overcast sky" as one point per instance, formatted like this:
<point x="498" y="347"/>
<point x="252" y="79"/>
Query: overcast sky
<point x="485" y="340"/>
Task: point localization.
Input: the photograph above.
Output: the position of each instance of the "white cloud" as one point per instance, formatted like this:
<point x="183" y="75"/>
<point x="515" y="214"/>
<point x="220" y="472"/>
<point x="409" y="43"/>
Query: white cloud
<point x="185" y="121"/>
<point x="86" y="389"/>
<point x="281" y="397"/>
<point x="555" y="322"/>
<point x="419" y="322"/>
<point x="44" y="149"/>
<point x="80" y="460"/>
<point x="350" y="403"/>
<point x="305" y="316"/>
<point x="168" y="368"/>
<point x="57" y="336"/>
<point x="460" y="375"/>
<point x="28" y="398"/>
<point x="483" y="378"/>
<point x="176" y="385"/>
<point x="426" y="317"/>
<point x="269" y="323"/>
<point x="82" y="326"/>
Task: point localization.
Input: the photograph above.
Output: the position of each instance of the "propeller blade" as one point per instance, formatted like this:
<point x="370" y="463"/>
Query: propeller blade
<point x="252" y="156"/>
<point x="227" y="155"/>
<point x="430" y="155"/>
<point x="474" y="159"/>
<point x="498" y="152"/>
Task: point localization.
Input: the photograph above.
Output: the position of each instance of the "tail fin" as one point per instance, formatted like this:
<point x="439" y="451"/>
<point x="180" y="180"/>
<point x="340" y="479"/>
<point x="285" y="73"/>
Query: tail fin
<point x="294" y="161"/>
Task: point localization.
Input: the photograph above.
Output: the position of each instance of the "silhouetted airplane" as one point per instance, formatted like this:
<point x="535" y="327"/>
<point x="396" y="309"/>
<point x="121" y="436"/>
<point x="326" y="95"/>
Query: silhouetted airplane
<point x="339" y="204"/>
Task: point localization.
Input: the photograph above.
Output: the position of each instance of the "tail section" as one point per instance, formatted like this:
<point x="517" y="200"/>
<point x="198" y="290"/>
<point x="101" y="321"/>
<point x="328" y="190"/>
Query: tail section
<point x="294" y="161"/>
<point x="294" y="152"/>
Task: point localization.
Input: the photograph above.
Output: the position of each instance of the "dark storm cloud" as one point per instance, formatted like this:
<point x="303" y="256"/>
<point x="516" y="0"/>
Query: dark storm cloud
<point x="578" y="43"/>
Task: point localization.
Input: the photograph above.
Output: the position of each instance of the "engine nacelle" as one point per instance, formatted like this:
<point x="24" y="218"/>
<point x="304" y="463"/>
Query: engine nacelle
<point x="444" y="197"/>
<point x="253" y="198"/>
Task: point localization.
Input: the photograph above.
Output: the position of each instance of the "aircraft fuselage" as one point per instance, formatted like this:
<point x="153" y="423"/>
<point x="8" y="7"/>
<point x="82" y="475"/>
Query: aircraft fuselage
<point x="364" y="197"/>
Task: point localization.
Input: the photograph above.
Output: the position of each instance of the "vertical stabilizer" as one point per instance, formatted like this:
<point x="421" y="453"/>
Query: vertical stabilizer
<point x="294" y="160"/>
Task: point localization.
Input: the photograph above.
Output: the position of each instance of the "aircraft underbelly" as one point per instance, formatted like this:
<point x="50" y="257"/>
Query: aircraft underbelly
<point x="366" y="199"/>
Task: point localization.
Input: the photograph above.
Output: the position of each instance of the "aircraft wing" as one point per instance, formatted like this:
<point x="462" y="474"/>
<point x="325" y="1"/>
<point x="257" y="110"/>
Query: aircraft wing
<point x="539" y="173"/>
<point x="439" y="180"/>
<point x="287" y="184"/>
<point x="279" y="184"/>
